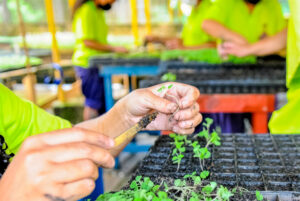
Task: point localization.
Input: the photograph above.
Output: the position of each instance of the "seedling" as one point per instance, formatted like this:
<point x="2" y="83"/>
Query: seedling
<point x="259" y="196"/>
<point x="171" y="77"/>
<point x="178" y="151"/>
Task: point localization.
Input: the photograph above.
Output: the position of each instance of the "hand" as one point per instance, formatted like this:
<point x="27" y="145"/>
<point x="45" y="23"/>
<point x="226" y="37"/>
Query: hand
<point x="60" y="165"/>
<point x="120" y="50"/>
<point x="174" y="44"/>
<point x="238" y="50"/>
<point x="177" y="107"/>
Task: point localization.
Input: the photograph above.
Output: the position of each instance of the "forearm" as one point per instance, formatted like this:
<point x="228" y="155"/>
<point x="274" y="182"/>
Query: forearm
<point x="111" y="124"/>
<point x="269" y="45"/>
<point x="161" y="40"/>
<point x="217" y="30"/>
<point x="98" y="46"/>
<point x="203" y="46"/>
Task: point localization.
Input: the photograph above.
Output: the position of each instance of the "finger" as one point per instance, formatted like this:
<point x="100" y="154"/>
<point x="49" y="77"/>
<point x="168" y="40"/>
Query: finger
<point x="76" y="170"/>
<point x="79" y="189"/>
<point x="179" y="130"/>
<point x="188" y="93"/>
<point x="160" y="104"/>
<point x="188" y="113"/>
<point x="77" y="151"/>
<point x="70" y="136"/>
<point x="192" y="123"/>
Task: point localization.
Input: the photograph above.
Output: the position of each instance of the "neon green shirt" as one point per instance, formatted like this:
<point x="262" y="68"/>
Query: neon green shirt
<point x="88" y="24"/>
<point x="20" y="119"/>
<point x="192" y="33"/>
<point x="287" y="119"/>
<point x="266" y="18"/>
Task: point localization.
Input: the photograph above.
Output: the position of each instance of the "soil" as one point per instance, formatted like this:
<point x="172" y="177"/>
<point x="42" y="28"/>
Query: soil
<point x="145" y="121"/>
<point x="279" y="186"/>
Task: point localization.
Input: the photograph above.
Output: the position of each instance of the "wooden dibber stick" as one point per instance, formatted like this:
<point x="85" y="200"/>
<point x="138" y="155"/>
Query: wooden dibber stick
<point x="143" y="123"/>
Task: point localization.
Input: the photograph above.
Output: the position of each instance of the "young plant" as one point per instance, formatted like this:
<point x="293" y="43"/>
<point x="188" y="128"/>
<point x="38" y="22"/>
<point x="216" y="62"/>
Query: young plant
<point x="177" y="153"/>
<point x="171" y="77"/>
<point x="201" y="153"/>
<point x="259" y="196"/>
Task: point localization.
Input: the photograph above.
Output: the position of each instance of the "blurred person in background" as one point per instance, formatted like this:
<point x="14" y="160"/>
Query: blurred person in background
<point x="286" y="119"/>
<point x="192" y="36"/>
<point x="244" y="21"/>
<point x="91" y="33"/>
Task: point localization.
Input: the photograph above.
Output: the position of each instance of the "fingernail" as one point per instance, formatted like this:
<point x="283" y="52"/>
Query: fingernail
<point x="172" y="107"/>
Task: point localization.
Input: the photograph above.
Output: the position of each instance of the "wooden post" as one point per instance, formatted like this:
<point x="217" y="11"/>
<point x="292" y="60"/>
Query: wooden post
<point x="29" y="79"/>
<point x="148" y="16"/>
<point x="134" y="21"/>
<point x="71" y="3"/>
<point x="55" y="50"/>
<point x="170" y="11"/>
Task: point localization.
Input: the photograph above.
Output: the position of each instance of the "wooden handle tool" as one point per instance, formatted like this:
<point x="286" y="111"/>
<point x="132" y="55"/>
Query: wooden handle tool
<point x="130" y="133"/>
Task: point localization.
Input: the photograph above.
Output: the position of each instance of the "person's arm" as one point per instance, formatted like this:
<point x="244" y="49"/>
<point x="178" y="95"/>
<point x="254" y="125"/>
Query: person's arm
<point x="63" y="165"/>
<point x="104" y="47"/>
<point x="20" y="119"/>
<point x="217" y="30"/>
<point x="139" y="103"/>
<point x="266" y="46"/>
<point x="159" y="39"/>
<point x="195" y="47"/>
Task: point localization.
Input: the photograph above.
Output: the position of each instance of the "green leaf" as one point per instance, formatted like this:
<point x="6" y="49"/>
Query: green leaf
<point x="177" y="182"/>
<point x="224" y="193"/>
<point x="172" y="135"/>
<point x="259" y="196"/>
<point x="138" y="178"/>
<point x="197" y="180"/>
<point x="162" y="194"/>
<point x="155" y="188"/>
<point x="208" y="189"/>
<point x="204" y="174"/>
<point x="133" y="185"/>
<point x="209" y="121"/>
<point x="170" y="86"/>
<point x="161" y="89"/>
<point x="169" y="77"/>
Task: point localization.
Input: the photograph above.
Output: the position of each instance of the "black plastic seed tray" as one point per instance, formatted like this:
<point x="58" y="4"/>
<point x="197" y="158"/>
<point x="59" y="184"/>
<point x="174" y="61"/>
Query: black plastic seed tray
<point x="179" y="66"/>
<point x="109" y="61"/>
<point x="216" y="86"/>
<point x="255" y="162"/>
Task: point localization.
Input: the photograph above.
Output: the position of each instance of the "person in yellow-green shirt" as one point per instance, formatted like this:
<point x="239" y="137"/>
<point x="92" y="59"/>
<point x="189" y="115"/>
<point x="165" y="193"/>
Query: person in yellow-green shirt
<point x="192" y="36"/>
<point x="91" y="32"/>
<point x="63" y="164"/>
<point x="244" y="21"/>
<point x="286" y="119"/>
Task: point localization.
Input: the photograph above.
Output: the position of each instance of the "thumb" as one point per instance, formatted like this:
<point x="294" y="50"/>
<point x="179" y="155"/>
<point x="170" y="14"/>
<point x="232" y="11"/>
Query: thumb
<point x="159" y="104"/>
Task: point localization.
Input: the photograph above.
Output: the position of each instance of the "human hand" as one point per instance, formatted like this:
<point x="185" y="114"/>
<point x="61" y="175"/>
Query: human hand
<point x="174" y="44"/>
<point x="121" y="50"/>
<point x="150" y="39"/>
<point x="60" y="165"/>
<point x="177" y="107"/>
<point x="229" y="48"/>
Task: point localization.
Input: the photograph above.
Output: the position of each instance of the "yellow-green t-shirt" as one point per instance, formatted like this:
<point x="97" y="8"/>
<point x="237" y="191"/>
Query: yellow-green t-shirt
<point x="266" y="17"/>
<point x="20" y="119"/>
<point x="88" y="24"/>
<point x="192" y="33"/>
<point x="287" y="119"/>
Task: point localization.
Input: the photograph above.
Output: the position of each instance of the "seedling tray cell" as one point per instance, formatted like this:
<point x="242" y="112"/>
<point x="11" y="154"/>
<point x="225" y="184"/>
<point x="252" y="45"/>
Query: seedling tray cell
<point x="248" y="161"/>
